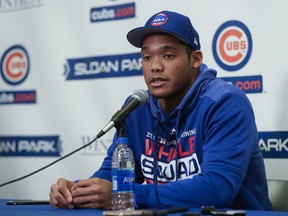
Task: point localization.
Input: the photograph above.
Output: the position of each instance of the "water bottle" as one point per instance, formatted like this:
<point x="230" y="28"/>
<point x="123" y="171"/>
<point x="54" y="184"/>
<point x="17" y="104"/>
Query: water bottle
<point x="123" y="176"/>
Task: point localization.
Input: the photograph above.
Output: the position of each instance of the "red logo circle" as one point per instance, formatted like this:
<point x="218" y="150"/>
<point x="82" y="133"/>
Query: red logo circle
<point x="15" y="65"/>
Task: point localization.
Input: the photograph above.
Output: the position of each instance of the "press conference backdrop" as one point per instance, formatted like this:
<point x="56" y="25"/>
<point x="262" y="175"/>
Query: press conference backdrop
<point x="66" y="68"/>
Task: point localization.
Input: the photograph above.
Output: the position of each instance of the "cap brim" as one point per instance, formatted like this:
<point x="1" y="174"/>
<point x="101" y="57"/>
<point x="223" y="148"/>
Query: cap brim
<point x="136" y="36"/>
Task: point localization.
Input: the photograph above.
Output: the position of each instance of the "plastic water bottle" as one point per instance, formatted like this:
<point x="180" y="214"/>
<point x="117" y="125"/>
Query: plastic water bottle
<point x="123" y="176"/>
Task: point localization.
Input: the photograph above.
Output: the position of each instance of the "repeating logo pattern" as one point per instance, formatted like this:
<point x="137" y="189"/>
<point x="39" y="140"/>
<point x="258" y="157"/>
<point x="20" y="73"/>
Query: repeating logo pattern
<point x="115" y="12"/>
<point x="30" y="146"/>
<point x="274" y="144"/>
<point x="15" y="65"/>
<point x="103" y="67"/>
<point x="232" y="45"/>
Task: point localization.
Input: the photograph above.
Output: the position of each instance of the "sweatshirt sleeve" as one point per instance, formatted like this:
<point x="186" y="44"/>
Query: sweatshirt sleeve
<point x="230" y="135"/>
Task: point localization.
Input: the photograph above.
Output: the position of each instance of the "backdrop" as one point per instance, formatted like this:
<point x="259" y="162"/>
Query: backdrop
<point x="66" y="68"/>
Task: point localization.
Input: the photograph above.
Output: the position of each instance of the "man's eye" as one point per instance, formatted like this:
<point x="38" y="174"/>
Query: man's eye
<point x="168" y="56"/>
<point x="146" y="58"/>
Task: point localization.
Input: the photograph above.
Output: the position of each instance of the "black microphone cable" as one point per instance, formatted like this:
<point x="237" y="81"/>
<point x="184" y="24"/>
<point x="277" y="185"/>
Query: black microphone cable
<point x="139" y="97"/>
<point x="50" y="164"/>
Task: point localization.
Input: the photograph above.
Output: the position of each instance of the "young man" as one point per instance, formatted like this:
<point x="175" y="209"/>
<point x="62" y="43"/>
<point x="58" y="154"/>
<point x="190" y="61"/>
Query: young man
<point x="194" y="142"/>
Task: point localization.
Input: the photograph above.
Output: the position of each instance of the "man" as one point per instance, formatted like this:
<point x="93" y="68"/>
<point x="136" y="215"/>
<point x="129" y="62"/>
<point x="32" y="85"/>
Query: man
<point x="194" y="142"/>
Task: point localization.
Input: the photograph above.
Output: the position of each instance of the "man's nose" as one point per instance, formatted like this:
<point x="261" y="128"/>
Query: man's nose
<point x="157" y="65"/>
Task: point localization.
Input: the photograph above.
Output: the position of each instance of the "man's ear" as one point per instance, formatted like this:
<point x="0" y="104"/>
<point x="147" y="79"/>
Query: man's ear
<point x="197" y="58"/>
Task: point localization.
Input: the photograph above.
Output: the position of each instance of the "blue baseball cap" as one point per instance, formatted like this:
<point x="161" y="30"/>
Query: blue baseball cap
<point x="166" y="22"/>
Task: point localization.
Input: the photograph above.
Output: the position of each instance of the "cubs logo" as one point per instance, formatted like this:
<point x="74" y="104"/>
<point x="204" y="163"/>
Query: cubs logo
<point x="232" y="45"/>
<point x="15" y="65"/>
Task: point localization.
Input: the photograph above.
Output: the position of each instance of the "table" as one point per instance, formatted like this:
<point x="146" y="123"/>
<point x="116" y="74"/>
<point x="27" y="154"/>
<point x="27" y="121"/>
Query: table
<point x="47" y="210"/>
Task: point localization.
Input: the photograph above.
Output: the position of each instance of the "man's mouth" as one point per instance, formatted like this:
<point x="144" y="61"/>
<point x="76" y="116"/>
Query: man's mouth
<point x="157" y="81"/>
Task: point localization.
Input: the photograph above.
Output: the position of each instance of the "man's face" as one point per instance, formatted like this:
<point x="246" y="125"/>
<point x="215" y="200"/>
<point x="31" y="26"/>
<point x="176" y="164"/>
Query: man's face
<point x="167" y="68"/>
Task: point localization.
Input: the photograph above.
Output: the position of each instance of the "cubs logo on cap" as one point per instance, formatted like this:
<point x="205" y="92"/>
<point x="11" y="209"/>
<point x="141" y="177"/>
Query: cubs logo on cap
<point x="159" y="19"/>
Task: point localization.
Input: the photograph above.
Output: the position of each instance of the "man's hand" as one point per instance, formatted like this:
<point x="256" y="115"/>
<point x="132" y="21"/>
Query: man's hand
<point x="92" y="193"/>
<point x="60" y="194"/>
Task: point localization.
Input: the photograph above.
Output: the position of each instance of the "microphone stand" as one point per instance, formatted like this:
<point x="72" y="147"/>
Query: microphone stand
<point x="120" y="128"/>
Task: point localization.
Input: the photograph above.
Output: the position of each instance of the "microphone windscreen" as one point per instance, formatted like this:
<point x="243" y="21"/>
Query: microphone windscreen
<point x="141" y="95"/>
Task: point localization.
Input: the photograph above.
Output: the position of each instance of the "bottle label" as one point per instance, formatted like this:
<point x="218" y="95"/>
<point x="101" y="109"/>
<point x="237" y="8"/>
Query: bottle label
<point x="122" y="180"/>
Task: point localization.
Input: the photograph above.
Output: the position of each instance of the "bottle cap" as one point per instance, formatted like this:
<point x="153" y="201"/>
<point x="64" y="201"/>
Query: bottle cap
<point x="122" y="140"/>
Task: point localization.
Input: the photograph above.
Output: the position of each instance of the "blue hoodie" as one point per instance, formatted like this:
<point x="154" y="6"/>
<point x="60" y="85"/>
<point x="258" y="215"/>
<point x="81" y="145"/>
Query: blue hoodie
<point x="205" y="152"/>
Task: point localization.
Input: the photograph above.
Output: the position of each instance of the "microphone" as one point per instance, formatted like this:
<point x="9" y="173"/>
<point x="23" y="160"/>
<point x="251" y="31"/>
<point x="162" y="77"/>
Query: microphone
<point x="138" y="97"/>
